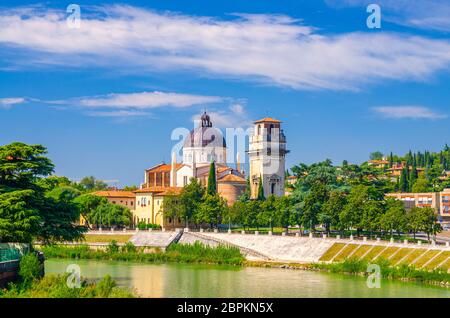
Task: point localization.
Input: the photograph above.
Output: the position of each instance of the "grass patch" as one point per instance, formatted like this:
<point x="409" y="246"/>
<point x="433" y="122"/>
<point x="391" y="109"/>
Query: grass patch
<point x="445" y="266"/>
<point x="399" y="255"/>
<point x="413" y="256"/>
<point x="181" y="253"/>
<point x="373" y="252"/>
<point x="104" y="238"/>
<point x="387" y="252"/>
<point x="359" y="267"/>
<point x="329" y="254"/>
<point x="425" y="258"/>
<point x="345" y="252"/>
<point x="438" y="260"/>
<point x="362" y="249"/>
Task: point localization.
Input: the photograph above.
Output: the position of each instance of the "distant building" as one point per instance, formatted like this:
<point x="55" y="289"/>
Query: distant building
<point x="397" y="168"/>
<point x="440" y="201"/>
<point x="379" y="164"/>
<point x="124" y="198"/>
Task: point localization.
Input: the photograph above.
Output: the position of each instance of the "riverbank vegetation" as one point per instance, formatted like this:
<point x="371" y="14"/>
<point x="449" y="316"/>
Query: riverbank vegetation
<point x="387" y="270"/>
<point x="31" y="284"/>
<point x="181" y="253"/>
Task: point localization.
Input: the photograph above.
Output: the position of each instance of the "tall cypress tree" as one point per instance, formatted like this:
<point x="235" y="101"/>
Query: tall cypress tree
<point x="212" y="184"/>
<point x="391" y="160"/>
<point x="413" y="175"/>
<point x="404" y="180"/>
<point x="260" y="196"/>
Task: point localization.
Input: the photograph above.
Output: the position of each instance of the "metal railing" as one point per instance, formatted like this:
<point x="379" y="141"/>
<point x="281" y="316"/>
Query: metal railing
<point x="12" y="251"/>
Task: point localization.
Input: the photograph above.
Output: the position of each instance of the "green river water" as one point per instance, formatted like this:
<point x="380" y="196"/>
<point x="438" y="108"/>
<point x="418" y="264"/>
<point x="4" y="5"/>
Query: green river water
<point x="184" y="280"/>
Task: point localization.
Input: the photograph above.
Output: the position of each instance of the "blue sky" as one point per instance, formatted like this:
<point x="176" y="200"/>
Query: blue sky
<point x="105" y="98"/>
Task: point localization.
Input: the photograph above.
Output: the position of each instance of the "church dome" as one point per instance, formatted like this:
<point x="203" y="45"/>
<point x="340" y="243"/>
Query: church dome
<point x="205" y="135"/>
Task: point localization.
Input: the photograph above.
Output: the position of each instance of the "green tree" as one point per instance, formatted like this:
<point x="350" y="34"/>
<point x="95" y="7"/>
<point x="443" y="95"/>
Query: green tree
<point x="88" y="203"/>
<point x="331" y="209"/>
<point x="212" y="186"/>
<point x="260" y="196"/>
<point x="421" y="185"/>
<point x="313" y="203"/>
<point x="351" y="215"/>
<point x="377" y="155"/>
<point x="211" y="210"/>
<point x="372" y="211"/>
<point x="404" y="186"/>
<point x="92" y="184"/>
<point x="430" y="221"/>
<point x="245" y="196"/>
<point x="111" y="215"/>
<point x="395" y="218"/>
<point x="413" y="175"/>
<point x="252" y="209"/>
<point x="267" y="215"/>
<point x="26" y="212"/>
<point x="171" y="207"/>
<point x="283" y="211"/>
<point x="191" y="197"/>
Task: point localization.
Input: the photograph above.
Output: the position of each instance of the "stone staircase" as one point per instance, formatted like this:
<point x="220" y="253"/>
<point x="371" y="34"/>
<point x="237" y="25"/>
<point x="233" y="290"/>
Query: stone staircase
<point x="279" y="248"/>
<point x="155" y="238"/>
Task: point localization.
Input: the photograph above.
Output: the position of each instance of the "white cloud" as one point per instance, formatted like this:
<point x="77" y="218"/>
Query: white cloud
<point x="145" y="100"/>
<point x="422" y="14"/>
<point x="118" y="113"/>
<point x="408" y="112"/>
<point x="276" y="50"/>
<point x="11" y="101"/>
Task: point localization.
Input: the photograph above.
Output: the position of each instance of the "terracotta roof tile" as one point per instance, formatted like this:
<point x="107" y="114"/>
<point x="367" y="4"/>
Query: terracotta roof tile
<point x="164" y="167"/>
<point x="158" y="189"/>
<point x="267" y="120"/>
<point x="232" y="178"/>
<point x="115" y="194"/>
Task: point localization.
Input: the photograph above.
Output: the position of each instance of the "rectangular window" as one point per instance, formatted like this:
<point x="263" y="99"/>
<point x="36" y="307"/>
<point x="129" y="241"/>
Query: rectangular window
<point x="185" y="180"/>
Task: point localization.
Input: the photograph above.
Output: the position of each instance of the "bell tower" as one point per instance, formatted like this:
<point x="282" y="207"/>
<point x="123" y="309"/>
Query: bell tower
<point x="267" y="152"/>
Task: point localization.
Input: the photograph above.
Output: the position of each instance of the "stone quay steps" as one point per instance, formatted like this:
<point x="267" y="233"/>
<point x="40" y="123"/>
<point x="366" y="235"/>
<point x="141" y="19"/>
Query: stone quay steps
<point x="276" y="248"/>
<point x="191" y="237"/>
<point x="155" y="238"/>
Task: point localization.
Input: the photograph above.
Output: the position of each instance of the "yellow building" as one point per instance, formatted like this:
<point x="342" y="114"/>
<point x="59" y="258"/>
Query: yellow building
<point x="149" y="206"/>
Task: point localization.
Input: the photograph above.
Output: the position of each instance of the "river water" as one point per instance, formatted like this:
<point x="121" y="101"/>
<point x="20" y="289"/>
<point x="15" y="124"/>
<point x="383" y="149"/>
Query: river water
<point x="184" y="280"/>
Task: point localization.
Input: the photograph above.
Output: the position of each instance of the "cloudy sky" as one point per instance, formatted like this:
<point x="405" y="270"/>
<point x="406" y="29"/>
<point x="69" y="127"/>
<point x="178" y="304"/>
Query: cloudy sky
<point x="105" y="97"/>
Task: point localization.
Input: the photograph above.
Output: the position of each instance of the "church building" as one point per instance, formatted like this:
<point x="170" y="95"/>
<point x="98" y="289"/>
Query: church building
<point x="203" y="145"/>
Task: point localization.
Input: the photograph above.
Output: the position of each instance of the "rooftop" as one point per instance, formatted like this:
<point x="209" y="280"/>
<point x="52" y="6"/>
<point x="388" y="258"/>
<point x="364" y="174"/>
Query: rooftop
<point x="115" y="194"/>
<point x="268" y="120"/>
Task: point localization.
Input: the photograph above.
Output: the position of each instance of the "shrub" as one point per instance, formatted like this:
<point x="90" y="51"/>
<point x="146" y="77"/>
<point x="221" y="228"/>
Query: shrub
<point x="112" y="247"/>
<point x="29" y="268"/>
<point x="56" y="287"/>
<point x="129" y="247"/>
<point x="142" y="226"/>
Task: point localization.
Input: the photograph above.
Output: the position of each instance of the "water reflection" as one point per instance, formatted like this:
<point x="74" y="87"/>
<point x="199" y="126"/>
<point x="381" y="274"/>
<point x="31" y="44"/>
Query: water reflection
<point x="182" y="280"/>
